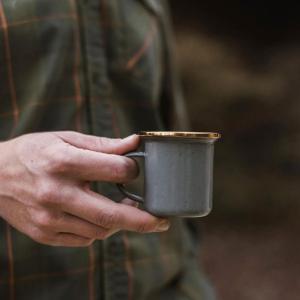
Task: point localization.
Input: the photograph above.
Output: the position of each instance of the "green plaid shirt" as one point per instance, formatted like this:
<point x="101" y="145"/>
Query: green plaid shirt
<point x="101" y="67"/>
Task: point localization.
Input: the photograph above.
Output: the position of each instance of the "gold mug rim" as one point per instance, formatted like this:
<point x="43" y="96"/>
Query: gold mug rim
<point x="181" y="134"/>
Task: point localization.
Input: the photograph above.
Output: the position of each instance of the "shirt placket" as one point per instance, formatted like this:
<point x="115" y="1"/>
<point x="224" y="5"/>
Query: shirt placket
<point x="113" y="283"/>
<point x="98" y="82"/>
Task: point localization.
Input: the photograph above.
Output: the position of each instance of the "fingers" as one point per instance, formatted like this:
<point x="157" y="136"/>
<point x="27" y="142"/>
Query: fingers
<point x="100" y="144"/>
<point x="79" y="227"/>
<point x="70" y="240"/>
<point x="96" y="166"/>
<point x="59" y="239"/>
<point x="103" y="212"/>
<point x="42" y="231"/>
<point x="98" y="161"/>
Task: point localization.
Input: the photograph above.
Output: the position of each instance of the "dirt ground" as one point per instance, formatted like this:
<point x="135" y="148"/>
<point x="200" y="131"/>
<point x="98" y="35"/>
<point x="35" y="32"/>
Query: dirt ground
<point x="253" y="263"/>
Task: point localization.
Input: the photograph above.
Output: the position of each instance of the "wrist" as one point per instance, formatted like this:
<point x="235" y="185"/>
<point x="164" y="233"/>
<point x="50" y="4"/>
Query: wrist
<point x="7" y="169"/>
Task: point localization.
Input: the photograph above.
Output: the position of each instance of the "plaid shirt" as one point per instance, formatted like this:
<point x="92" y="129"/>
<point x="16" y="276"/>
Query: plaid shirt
<point x="102" y="67"/>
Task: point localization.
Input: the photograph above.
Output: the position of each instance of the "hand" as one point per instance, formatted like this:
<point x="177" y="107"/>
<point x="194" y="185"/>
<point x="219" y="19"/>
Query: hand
<point x="44" y="188"/>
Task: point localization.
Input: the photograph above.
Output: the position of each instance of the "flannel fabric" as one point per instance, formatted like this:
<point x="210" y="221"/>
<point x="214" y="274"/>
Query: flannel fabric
<point x="101" y="67"/>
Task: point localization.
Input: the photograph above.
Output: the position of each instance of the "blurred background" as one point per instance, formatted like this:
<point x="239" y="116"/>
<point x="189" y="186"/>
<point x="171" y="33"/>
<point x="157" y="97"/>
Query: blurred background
<point x="240" y="69"/>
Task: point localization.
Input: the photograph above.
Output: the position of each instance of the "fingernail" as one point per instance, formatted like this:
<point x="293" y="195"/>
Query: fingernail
<point x="163" y="225"/>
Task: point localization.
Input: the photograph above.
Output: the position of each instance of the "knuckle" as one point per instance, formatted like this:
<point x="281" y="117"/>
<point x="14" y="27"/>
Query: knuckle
<point x="108" y="219"/>
<point x="57" y="162"/>
<point x="116" y="172"/>
<point x="40" y="237"/>
<point x="103" y="142"/>
<point x="87" y="243"/>
<point x="102" y="234"/>
<point x="46" y="193"/>
<point x="124" y="169"/>
<point x="43" y="220"/>
<point x="130" y="168"/>
<point x="144" y="227"/>
<point x="100" y="142"/>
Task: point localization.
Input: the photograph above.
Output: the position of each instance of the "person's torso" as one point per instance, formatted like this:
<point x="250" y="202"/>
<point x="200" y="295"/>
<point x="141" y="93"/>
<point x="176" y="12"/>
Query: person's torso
<point x="95" y="66"/>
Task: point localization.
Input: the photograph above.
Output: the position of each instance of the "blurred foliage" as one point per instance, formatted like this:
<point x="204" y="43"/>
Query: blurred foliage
<point x="240" y="67"/>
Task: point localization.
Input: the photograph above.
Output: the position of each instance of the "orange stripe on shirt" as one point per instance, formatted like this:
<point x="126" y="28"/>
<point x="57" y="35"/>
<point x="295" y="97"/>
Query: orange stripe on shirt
<point x="140" y="52"/>
<point x="39" y="19"/>
<point x="11" y="83"/>
<point x="11" y="278"/>
<point x="76" y="76"/>
<point x="15" y="109"/>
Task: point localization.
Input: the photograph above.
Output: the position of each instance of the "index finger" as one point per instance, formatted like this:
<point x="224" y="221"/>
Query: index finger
<point x="96" y="166"/>
<point x="99" y="144"/>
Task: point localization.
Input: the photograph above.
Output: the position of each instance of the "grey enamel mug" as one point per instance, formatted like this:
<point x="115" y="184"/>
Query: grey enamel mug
<point x="178" y="177"/>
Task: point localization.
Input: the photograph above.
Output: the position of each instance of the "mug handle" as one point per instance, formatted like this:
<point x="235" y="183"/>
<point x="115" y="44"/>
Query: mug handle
<point x="121" y="186"/>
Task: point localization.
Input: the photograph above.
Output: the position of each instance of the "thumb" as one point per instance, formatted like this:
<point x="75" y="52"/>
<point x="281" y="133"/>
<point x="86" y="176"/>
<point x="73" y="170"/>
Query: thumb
<point x="100" y="144"/>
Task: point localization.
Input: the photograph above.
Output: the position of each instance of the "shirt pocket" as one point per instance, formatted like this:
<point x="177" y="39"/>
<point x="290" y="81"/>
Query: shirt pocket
<point x="140" y="47"/>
